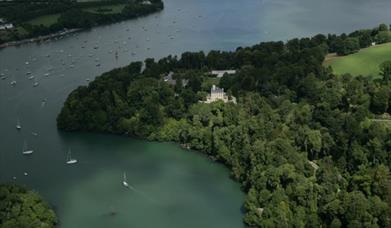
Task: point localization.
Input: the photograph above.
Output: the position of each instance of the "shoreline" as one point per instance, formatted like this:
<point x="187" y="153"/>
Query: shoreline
<point x="40" y="38"/>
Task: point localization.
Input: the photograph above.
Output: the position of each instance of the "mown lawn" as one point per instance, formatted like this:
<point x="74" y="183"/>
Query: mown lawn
<point x="109" y="9"/>
<point x="45" y="20"/>
<point x="365" y="62"/>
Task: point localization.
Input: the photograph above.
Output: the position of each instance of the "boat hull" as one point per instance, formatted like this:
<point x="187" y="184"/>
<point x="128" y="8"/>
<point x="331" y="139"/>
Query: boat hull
<point x="28" y="152"/>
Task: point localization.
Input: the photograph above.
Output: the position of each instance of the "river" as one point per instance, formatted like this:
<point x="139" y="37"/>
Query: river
<point x="170" y="187"/>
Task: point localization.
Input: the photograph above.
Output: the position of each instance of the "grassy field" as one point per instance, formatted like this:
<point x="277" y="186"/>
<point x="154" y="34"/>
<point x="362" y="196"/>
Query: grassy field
<point x="109" y="9"/>
<point x="46" y="20"/>
<point x="366" y="62"/>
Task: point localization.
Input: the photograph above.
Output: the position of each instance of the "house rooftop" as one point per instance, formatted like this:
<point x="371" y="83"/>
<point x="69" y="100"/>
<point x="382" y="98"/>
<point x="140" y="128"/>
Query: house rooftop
<point x="220" y="73"/>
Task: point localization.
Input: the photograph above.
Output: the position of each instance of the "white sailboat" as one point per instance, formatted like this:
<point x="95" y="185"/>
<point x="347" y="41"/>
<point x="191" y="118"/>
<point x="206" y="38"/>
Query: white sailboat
<point x="18" y="126"/>
<point x="70" y="160"/>
<point x="25" y="151"/>
<point x="125" y="181"/>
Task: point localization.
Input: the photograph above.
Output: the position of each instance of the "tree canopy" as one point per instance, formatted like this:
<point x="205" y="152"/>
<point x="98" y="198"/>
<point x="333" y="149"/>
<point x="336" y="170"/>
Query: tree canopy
<point x="24" y="209"/>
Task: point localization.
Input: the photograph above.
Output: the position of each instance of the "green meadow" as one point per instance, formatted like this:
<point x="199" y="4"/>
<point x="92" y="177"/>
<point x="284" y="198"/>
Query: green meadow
<point x="365" y="62"/>
<point x="45" y="20"/>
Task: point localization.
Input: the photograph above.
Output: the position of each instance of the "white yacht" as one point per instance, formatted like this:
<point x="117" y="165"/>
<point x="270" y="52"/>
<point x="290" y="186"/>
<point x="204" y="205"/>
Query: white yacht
<point x="18" y="126"/>
<point x="125" y="181"/>
<point x="25" y="151"/>
<point x="70" y="160"/>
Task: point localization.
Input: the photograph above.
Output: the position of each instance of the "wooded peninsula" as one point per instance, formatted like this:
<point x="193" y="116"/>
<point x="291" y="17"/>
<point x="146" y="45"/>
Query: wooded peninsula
<point x="310" y="148"/>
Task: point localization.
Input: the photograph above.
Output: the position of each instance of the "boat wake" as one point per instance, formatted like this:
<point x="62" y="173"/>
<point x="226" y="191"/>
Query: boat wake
<point x="143" y="194"/>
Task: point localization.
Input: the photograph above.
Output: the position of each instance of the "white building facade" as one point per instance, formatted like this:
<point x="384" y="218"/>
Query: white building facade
<point x="217" y="94"/>
<point x="6" y="26"/>
<point x="220" y="73"/>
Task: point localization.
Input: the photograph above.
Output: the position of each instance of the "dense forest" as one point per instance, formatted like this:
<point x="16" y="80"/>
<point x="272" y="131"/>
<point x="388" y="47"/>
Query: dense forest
<point x="310" y="148"/>
<point x="23" y="209"/>
<point x="72" y="14"/>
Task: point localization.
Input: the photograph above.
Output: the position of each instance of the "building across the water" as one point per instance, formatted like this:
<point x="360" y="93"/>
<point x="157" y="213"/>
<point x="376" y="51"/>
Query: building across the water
<point x="6" y="26"/>
<point x="146" y="2"/>
<point x="220" y="73"/>
<point x="217" y="94"/>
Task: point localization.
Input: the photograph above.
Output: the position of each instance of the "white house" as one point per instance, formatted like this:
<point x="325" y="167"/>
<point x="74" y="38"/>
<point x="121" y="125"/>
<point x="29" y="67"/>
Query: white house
<point x="216" y="94"/>
<point x="6" y="26"/>
<point x="220" y="73"/>
<point x="146" y="2"/>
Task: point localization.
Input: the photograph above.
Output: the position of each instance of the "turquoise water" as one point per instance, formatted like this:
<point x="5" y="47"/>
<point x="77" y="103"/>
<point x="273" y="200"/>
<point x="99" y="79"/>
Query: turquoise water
<point x="171" y="187"/>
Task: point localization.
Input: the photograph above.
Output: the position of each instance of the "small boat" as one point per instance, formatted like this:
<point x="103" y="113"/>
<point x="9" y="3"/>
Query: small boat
<point x="13" y="83"/>
<point x="46" y="75"/>
<point x="25" y="173"/>
<point x="125" y="181"/>
<point x="35" y="84"/>
<point x="3" y="77"/>
<point x="27" y="63"/>
<point x="28" y="72"/>
<point x="98" y="65"/>
<point x="18" y="126"/>
<point x="31" y="77"/>
<point x="70" y="160"/>
<point x="87" y="79"/>
<point x="25" y="151"/>
<point x="34" y="133"/>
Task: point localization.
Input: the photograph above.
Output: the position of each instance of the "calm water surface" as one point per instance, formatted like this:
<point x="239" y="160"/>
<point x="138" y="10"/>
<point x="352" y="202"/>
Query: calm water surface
<point x="172" y="187"/>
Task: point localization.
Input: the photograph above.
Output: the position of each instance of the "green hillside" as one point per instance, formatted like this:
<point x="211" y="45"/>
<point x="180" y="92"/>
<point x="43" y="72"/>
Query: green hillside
<point x="365" y="62"/>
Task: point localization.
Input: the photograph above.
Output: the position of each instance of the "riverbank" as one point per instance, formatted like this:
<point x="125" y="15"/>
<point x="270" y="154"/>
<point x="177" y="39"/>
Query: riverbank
<point x="53" y="18"/>
<point x="40" y="38"/>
